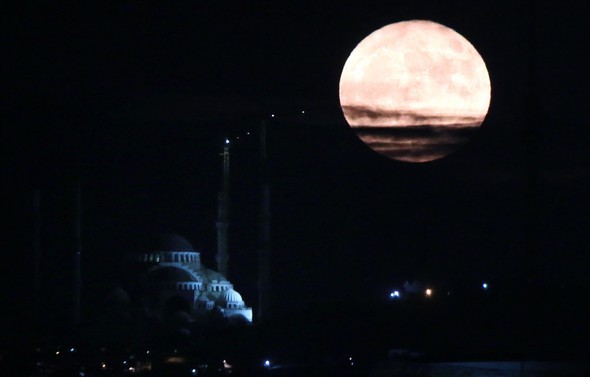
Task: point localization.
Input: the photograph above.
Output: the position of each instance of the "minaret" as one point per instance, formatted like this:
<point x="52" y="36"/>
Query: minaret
<point x="37" y="254"/>
<point x="77" y="253"/>
<point x="222" y="224"/>
<point x="264" y="247"/>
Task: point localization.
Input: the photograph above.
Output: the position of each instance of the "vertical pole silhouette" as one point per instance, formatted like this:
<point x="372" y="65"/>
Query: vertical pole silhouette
<point x="264" y="247"/>
<point x="37" y="255"/>
<point x="77" y="253"/>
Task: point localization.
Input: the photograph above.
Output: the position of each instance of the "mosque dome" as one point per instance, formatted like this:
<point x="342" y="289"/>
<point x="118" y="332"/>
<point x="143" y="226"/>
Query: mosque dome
<point x="171" y="269"/>
<point x="169" y="275"/>
<point x="172" y="242"/>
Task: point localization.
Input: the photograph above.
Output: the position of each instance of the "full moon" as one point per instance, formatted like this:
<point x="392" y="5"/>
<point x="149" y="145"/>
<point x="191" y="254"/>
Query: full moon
<point x="415" y="90"/>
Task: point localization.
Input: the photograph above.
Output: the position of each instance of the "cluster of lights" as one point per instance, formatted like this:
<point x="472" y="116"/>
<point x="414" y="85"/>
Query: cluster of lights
<point x="227" y="141"/>
<point x="428" y="292"/>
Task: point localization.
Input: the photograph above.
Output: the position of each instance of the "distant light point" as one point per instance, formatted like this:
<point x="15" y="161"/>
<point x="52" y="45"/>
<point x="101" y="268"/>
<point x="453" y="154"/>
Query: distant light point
<point x="272" y="115"/>
<point x="484" y="285"/>
<point x="302" y="111"/>
<point x="428" y="292"/>
<point x="394" y="294"/>
<point x="226" y="141"/>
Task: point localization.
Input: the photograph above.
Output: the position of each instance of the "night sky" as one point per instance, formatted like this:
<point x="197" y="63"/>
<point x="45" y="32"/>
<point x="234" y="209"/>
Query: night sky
<point x="135" y="99"/>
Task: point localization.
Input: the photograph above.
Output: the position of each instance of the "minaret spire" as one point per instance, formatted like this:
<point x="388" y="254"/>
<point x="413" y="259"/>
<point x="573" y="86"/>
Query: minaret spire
<point x="77" y="253"/>
<point x="264" y="247"/>
<point x="222" y="224"/>
<point x="37" y="254"/>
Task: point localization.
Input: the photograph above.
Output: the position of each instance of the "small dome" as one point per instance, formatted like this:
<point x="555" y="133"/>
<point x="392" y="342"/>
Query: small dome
<point x="204" y="297"/>
<point x="213" y="276"/>
<point x="118" y="295"/>
<point x="231" y="296"/>
<point x="169" y="275"/>
<point x="181" y="317"/>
